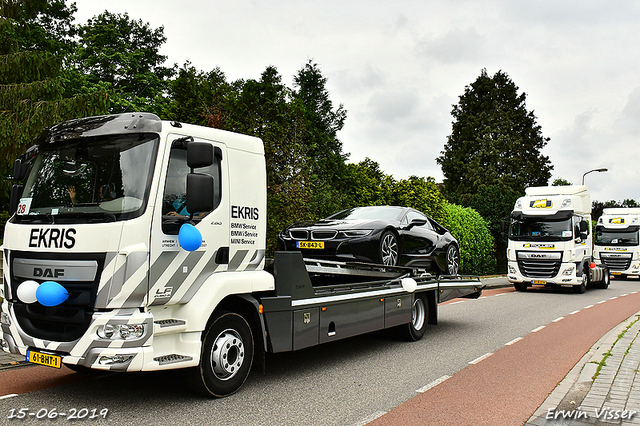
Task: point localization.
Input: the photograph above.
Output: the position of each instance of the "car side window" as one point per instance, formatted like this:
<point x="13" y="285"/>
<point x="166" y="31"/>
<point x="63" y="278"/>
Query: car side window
<point x="412" y="214"/>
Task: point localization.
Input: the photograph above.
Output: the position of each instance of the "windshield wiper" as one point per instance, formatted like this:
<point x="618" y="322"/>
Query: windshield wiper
<point x="86" y="217"/>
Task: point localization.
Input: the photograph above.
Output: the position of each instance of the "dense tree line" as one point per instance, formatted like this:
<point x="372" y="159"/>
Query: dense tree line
<point x="111" y="64"/>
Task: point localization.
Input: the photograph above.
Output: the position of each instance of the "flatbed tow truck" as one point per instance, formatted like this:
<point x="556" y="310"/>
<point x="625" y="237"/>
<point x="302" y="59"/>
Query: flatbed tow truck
<point x="138" y="244"/>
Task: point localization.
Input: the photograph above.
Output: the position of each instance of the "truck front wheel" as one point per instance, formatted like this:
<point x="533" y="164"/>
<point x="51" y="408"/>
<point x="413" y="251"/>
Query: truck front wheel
<point x="582" y="287"/>
<point x="226" y="358"/>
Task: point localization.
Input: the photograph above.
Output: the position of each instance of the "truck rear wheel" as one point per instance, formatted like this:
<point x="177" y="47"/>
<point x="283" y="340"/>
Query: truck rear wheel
<point x="419" y="319"/>
<point x="226" y="358"/>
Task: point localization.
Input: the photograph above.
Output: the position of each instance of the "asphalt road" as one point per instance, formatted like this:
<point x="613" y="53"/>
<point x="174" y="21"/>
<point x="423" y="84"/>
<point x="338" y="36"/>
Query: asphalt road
<point x="350" y="382"/>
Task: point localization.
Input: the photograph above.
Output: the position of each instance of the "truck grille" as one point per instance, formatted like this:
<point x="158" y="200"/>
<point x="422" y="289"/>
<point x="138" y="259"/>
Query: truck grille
<point x="539" y="265"/>
<point x="69" y="320"/>
<point x="616" y="262"/>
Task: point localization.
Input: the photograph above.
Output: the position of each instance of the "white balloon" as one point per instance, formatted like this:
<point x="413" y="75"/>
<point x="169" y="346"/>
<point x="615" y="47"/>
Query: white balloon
<point x="27" y="291"/>
<point x="409" y="284"/>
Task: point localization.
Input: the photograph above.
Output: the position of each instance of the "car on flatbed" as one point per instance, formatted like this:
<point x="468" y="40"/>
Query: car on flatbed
<point x="387" y="235"/>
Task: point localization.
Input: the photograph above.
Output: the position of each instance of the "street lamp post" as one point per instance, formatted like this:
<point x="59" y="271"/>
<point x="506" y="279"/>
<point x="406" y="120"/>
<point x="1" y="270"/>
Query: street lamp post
<point x="594" y="170"/>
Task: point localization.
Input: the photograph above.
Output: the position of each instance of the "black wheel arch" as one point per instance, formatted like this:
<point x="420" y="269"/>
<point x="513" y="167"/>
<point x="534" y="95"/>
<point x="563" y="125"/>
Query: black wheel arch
<point x="246" y="306"/>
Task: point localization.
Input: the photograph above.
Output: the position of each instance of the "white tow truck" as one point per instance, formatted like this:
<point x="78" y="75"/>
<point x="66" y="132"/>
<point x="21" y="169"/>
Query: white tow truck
<point x="616" y="243"/>
<point x="138" y="244"/>
<point x="550" y="241"/>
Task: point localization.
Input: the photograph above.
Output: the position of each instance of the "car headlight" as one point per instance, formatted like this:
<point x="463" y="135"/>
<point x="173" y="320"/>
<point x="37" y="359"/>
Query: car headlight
<point x="357" y="233"/>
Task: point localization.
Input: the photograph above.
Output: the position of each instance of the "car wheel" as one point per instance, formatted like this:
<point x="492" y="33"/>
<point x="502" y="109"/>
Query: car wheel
<point x="389" y="249"/>
<point x="453" y="260"/>
<point x="227" y="354"/>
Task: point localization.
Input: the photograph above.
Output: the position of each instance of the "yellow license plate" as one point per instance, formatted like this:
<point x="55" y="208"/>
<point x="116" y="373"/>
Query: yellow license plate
<point x="616" y="273"/>
<point x="538" y="282"/>
<point x="44" y="359"/>
<point x="310" y="244"/>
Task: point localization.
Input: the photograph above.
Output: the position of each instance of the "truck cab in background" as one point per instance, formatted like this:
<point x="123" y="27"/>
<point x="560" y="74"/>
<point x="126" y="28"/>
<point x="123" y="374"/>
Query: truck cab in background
<point x="616" y="242"/>
<point x="550" y="240"/>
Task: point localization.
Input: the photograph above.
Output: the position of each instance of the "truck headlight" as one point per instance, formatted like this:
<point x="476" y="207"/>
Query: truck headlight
<point x="568" y="271"/>
<point x="121" y="331"/>
<point x="512" y="270"/>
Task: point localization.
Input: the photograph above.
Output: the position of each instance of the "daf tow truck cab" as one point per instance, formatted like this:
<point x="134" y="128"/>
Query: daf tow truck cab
<point x="550" y="240"/>
<point x="616" y="243"/>
<point x="138" y="244"/>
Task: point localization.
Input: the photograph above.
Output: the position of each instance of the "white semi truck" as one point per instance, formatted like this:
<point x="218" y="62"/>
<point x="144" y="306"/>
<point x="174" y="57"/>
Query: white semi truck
<point x="616" y="243"/>
<point x="139" y="244"/>
<point x="550" y="240"/>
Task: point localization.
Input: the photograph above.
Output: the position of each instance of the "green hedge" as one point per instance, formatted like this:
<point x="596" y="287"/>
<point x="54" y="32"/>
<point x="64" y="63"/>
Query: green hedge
<point x="476" y="242"/>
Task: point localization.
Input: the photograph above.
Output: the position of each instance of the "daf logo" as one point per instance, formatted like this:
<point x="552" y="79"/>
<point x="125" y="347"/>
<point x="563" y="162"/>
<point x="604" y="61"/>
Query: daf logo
<point x="48" y="272"/>
<point x="537" y="256"/>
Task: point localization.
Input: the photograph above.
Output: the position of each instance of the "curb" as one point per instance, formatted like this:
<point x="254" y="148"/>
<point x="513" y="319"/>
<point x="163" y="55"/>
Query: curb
<point x="572" y="390"/>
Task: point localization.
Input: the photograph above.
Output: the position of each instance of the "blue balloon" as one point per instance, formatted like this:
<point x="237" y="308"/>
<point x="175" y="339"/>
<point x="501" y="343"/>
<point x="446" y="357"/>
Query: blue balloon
<point x="50" y="293"/>
<point x="189" y="237"/>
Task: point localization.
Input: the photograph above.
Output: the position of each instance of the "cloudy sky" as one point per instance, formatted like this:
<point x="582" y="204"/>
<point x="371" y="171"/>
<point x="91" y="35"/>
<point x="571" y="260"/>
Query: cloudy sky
<point x="399" y="66"/>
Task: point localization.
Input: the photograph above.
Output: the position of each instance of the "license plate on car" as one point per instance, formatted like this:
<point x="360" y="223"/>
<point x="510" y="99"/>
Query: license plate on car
<point x="44" y="359"/>
<point x="538" y="282"/>
<point x="310" y="244"/>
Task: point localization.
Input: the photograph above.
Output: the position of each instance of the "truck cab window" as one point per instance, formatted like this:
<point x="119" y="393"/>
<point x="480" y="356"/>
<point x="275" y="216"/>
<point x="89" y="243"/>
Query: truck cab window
<point x="174" y="200"/>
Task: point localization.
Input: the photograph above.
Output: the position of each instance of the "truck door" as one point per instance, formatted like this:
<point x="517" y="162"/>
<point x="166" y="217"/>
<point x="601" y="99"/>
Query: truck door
<point x="175" y="273"/>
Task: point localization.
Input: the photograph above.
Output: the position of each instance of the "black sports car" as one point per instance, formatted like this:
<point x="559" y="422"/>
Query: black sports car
<point x="388" y="235"/>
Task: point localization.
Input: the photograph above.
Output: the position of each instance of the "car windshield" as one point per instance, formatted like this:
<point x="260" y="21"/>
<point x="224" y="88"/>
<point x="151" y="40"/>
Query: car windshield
<point x="527" y="228"/>
<point x="622" y="237"/>
<point x="386" y="213"/>
<point x="102" y="178"/>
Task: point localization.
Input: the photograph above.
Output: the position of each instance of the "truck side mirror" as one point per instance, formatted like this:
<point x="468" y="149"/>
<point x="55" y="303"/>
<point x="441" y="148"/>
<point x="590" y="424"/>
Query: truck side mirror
<point x="20" y="169"/>
<point x="14" y="198"/>
<point x="199" y="193"/>
<point x="584" y="226"/>
<point x="199" y="154"/>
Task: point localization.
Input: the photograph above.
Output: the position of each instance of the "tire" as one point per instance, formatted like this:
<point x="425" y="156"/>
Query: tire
<point x="582" y="287"/>
<point x="389" y="249"/>
<point x="606" y="280"/>
<point x="453" y="260"/>
<point x="520" y="286"/>
<point x="419" y="319"/>
<point x="226" y="358"/>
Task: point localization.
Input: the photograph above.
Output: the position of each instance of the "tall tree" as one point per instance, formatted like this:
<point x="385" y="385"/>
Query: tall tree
<point x="34" y="35"/>
<point x="124" y="53"/>
<point x="494" y="141"/>
<point x="321" y="123"/>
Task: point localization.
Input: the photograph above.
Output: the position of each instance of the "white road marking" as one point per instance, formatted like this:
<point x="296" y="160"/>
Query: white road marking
<point x="11" y="395"/>
<point x="477" y="360"/>
<point x="517" y="339"/>
<point x="433" y="384"/>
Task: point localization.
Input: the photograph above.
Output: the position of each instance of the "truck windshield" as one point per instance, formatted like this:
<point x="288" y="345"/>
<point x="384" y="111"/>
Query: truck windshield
<point x="98" y="179"/>
<point x="616" y="237"/>
<point x="528" y="228"/>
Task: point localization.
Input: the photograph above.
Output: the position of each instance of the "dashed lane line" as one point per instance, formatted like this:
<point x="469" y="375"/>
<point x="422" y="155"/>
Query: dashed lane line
<point x="433" y="384"/>
<point x="477" y="360"/>
<point x="517" y="339"/>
